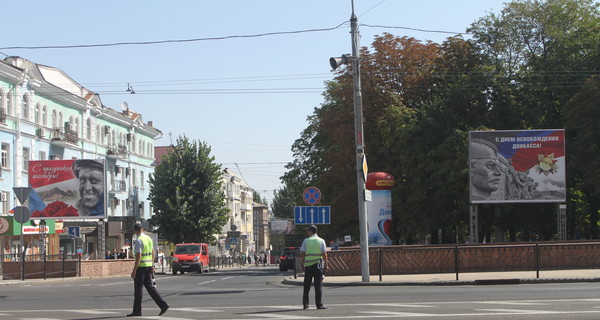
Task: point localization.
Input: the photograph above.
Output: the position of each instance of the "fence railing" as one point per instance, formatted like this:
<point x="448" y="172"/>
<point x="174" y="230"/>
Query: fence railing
<point x="468" y="258"/>
<point x="18" y="266"/>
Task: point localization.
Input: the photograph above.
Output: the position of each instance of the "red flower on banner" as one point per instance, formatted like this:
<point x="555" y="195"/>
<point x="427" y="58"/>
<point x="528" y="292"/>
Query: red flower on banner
<point x="56" y="209"/>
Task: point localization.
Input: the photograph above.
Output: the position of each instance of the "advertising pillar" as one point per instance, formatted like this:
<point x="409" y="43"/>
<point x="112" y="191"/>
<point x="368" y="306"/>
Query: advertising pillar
<point x="379" y="209"/>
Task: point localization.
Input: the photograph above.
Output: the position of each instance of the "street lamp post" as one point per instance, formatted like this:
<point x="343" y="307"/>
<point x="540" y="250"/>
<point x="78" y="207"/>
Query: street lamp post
<point x="359" y="140"/>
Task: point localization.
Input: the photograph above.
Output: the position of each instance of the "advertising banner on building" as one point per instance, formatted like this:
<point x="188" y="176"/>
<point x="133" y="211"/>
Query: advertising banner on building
<point x="67" y="189"/>
<point x="517" y="166"/>
<point x="283" y="226"/>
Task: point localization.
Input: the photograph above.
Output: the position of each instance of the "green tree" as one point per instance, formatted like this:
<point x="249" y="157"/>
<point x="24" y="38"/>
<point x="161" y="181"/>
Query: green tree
<point x="283" y="203"/>
<point x="583" y="134"/>
<point x="186" y="194"/>
<point x="256" y="197"/>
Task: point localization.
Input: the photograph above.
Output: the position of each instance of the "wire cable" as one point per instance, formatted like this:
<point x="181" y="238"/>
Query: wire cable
<point x="114" y="44"/>
<point x="412" y="29"/>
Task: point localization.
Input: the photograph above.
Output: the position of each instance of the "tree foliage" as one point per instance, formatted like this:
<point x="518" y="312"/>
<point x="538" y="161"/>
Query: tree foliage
<point x="421" y="99"/>
<point x="186" y="194"/>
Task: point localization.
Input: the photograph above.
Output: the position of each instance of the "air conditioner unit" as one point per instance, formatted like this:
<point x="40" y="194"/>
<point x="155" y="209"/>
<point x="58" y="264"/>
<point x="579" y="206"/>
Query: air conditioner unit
<point x="3" y="197"/>
<point x="39" y="132"/>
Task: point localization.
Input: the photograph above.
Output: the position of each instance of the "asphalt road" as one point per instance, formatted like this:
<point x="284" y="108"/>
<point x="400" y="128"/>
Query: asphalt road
<point x="257" y="293"/>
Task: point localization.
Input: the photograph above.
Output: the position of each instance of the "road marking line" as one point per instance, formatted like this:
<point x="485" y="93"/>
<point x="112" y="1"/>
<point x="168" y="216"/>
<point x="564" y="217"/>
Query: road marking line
<point x="205" y="282"/>
<point x="94" y="312"/>
<point x="520" y="311"/>
<point x="400" y="305"/>
<point x="226" y="278"/>
<point x="514" y="303"/>
<point x="194" y="310"/>
<point x="279" y="316"/>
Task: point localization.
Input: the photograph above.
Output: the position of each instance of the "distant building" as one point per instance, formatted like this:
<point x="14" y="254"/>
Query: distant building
<point x="238" y="199"/>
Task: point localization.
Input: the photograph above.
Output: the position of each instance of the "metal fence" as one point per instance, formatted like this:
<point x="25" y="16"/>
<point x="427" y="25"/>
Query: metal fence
<point x="468" y="258"/>
<point x="18" y="266"/>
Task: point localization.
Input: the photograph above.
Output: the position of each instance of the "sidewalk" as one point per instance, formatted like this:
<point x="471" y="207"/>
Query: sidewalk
<point x="448" y="279"/>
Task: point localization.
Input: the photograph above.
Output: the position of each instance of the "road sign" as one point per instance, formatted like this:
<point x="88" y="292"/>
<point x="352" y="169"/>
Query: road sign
<point x="22" y="214"/>
<point x="311" y="195"/>
<point x="365" y="167"/>
<point x="22" y="193"/>
<point x="312" y="215"/>
<point x="74" y="232"/>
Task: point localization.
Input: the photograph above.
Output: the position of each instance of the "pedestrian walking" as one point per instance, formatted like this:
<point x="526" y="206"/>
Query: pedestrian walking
<point x="143" y="273"/>
<point x="313" y="255"/>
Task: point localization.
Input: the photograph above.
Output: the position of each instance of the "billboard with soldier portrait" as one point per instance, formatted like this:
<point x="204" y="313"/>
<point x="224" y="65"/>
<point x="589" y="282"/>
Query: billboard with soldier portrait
<point x="517" y="166"/>
<point x="67" y="189"/>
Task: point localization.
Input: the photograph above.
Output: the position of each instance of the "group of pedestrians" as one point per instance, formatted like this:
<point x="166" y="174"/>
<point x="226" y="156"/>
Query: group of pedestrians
<point x="313" y="258"/>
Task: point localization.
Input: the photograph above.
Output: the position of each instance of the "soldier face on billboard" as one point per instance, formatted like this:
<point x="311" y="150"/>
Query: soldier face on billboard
<point x="485" y="169"/>
<point x="90" y="174"/>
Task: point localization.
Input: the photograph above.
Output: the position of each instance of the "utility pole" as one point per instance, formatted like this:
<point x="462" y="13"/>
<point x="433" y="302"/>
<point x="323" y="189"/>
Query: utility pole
<point x="359" y="139"/>
<point x="360" y="148"/>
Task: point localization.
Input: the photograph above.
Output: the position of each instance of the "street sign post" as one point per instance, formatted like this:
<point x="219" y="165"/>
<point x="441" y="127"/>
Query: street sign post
<point x="22" y="193"/>
<point x="311" y="195"/>
<point x="312" y="215"/>
<point x="74" y="232"/>
<point x="22" y="214"/>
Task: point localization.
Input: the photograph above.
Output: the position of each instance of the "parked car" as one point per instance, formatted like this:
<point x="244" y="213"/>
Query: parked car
<point x="286" y="260"/>
<point x="190" y="257"/>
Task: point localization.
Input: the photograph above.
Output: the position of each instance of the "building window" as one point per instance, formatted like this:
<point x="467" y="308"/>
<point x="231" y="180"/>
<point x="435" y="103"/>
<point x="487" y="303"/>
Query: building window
<point x="5" y="156"/>
<point x="4" y="205"/>
<point x="61" y="124"/>
<point x="88" y="129"/>
<point x="25" y="113"/>
<point x="97" y="133"/>
<point x="142" y="179"/>
<point x="37" y="114"/>
<point x="54" y="119"/>
<point x="9" y="106"/>
<point x="2" y="99"/>
<point x="44" y="115"/>
<point x="25" y="159"/>
<point x="42" y="155"/>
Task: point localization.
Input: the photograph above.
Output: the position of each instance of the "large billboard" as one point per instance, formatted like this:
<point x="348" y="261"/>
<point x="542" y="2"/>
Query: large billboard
<point x="67" y="189"/>
<point x="517" y="166"/>
<point x="283" y="226"/>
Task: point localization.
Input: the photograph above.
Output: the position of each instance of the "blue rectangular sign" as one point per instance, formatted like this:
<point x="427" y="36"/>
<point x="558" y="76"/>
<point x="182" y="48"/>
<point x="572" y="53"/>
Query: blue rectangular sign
<point x="74" y="232"/>
<point x="312" y="215"/>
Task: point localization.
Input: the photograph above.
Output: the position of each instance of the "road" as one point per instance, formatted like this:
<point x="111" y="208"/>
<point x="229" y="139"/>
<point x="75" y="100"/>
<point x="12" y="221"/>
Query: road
<point x="257" y="293"/>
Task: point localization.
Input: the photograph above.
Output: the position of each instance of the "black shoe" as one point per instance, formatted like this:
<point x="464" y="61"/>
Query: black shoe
<point x="163" y="310"/>
<point x="133" y="314"/>
<point x="321" y="307"/>
<point x="305" y="307"/>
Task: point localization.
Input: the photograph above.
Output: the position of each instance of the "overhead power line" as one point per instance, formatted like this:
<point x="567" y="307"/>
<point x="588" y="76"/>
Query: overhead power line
<point x="114" y="44"/>
<point x="409" y="28"/>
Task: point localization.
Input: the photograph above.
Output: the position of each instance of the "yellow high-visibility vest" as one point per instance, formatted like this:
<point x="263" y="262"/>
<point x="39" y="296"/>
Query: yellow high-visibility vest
<point x="146" y="260"/>
<point x="312" y="255"/>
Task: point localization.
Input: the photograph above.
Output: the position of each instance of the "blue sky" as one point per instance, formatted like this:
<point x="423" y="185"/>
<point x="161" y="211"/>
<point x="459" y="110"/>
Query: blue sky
<point x="248" y="98"/>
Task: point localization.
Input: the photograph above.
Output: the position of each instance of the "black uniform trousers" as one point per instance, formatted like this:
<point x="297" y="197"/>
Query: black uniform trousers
<point x="144" y="278"/>
<point x="313" y="272"/>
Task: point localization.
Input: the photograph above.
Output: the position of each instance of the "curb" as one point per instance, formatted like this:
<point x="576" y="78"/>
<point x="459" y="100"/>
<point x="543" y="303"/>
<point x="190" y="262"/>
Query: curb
<point x="295" y="282"/>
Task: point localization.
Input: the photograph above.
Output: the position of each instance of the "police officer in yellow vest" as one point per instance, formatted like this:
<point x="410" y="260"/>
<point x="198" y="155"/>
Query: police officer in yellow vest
<point x="143" y="272"/>
<point x="314" y="262"/>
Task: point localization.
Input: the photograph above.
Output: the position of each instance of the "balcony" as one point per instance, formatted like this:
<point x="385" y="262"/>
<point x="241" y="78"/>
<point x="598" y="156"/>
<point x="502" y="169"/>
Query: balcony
<point x="117" y="152"/>
<point x="246" y="207"/>
<point x="64" y="137"/>
<point x="118" y="186"/>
